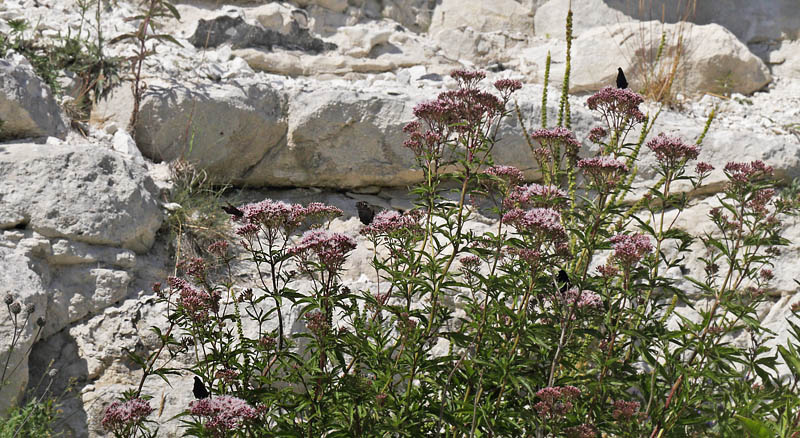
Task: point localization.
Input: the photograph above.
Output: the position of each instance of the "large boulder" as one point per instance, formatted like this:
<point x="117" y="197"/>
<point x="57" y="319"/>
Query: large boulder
<point x="82" y="193"/>
<point x="751" y="21"/>
<point x="551" y="17"/>
<point x="27" y="106"/>
<point x="712" y="59"/>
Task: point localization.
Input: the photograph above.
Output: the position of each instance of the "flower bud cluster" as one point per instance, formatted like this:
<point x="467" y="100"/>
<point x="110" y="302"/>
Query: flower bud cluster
<point x="328" y="249"/>
<point x="556" y="401"/>
<point x="224" y="413"/>
<point x="119" y="416"/>
<point x="629" y="249"/>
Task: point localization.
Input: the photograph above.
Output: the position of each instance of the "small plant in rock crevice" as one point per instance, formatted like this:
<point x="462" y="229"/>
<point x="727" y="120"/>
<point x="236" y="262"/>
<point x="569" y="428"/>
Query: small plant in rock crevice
<point x="145" y="37"/>
<point x="37" y="416"/>
<point x="74" y="53"/>
<point x="199" y="219"/>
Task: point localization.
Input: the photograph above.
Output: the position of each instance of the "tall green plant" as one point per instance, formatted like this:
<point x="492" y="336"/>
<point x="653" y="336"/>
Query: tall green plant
<point x="151" y="12"/>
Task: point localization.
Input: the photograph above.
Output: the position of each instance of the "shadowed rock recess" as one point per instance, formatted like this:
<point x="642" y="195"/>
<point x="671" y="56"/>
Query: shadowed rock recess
<point x="305" y="101"/>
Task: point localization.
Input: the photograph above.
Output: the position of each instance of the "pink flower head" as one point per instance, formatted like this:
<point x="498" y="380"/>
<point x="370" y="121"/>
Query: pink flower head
<point x="224" y="413"/>
<point x="759" y="202"/>
<point x="119" y="416"/>
<point x="470" y="261"/>
<point x="605" y="172"/>
<point x="624" y="411"/>
<point x="535" y="195"/>
<point x="317" y="323"/>
<point x="468" y="78"/>
<point x="702" y="168"/>
<point x="390" y="222"/>
<point x="586" y="300"/>
<point x="618" y="103"/>
<point x="276" y="215"/>
<point x="607" y="271"/>
<point x="597" y="134"/>
<point x="556" y="401"/>
<point x="630" y="248"/>
<point x="219" y="248"/>
<point x="544" y="223"/>
<point x="555" y="138"/>
<point x="672" y="152"/>
<point x="329" y="249"/>
<point x="747" y="172"/>
<point x="510" y="175"/>
<point x="507" y="86"/>
<point x="581" y="431"/>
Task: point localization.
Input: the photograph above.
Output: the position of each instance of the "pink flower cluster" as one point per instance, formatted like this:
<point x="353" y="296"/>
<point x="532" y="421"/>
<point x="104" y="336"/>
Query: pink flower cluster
<point x="390" y="222"/>
<point x="630" y="248"/>
<point x="535" y="195"/>
<point x="672" y="152"/>
<point x="225" y="413"/>
<point x="470" y="261"/>
<point x="556" y="401"/>
<point x="604" y="171"/>
<point x="624" y="411"/>
<point x="586" y="299"/>
<point x="317" y="323"/>
<point x="274" y="215"/>
<point x="459" y="110"/>
<point x="618" y="103"/>
<point x="581" y="431"/>
<point x="758" y="203"/>
<point x="544" y="223"/>
<point x="702" y="168"/>
<point x="468" y="78"/>
<point x="198" y="304"/>
<point x="219" y="248"/>
<point x="329" y="249"/>
<point x="120" y="416"/>
<point x="507" y="86"/>
<point x="193" y="267"/>
<point x="607" y="271"/>
<point x="555" y="138"/>
<point x="510" y="175"/>
<point x="741" y="174"/>
<point x="597" y="134"/>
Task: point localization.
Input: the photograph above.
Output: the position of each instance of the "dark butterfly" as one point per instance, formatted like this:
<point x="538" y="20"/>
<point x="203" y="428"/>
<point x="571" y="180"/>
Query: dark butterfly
<point x="365" y="212"/>
<point x="563" y="278"/>
<point x="199" y="389"/>
<point x="621" y="81"/>
<point x="233" y="211"/>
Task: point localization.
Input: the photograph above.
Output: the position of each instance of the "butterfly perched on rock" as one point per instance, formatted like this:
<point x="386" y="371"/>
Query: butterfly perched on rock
<point x="365" y="212"/>
<point x="199" y="389"/>
<point x="621" y="81"/>
<point x="233" y="211"/>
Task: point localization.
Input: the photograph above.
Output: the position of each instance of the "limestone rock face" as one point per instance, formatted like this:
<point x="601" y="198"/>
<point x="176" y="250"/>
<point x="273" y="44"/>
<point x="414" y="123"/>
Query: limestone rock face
<point x="237" y="33"/>
<point x="501" y="15"/>
<point x="751" y="21"/>
<point x="27" y="107"/>
<point x="228" y="128"/>
<point x="80" y="193"/>
<point x="551" y="17"/>
<point x="713" y="60"/>
<point x="20" y="279"/>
